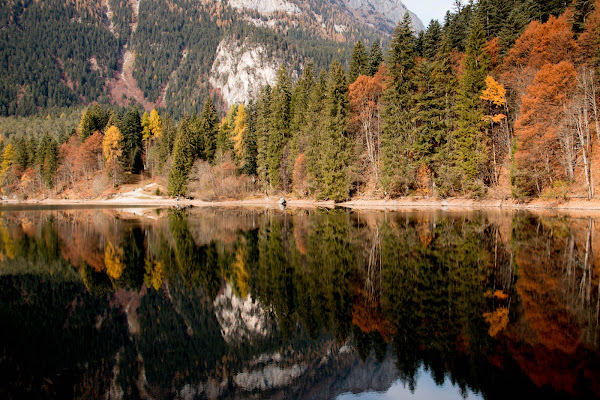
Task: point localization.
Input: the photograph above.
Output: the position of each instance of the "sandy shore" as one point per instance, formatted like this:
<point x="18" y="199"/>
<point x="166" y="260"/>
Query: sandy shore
<point x="578" y="206"/>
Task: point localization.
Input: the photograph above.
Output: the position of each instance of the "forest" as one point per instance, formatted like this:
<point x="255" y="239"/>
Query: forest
<point x="498" y="101"/>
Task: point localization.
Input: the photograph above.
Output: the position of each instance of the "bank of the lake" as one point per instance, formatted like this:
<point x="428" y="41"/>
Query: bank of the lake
<point x="578" y="206"/>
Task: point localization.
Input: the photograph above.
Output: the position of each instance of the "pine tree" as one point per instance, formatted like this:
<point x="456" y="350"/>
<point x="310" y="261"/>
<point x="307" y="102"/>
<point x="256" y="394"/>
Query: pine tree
<point x="263" y="122"/>
<point x="432" y="39"/>
<point x="397" y="136"/>
<point x="314" y="131"/>
<point x="375" y="58"/>
<point x="250" y="145"/>
<point x="336" y="146"/>
<point x="515" y="23"/>
<point x="131" y="129"/>
<point x="358" y="62"/>
<point x="443" y="119"/>
<point x="469" y="143"/>
<point x="581" y="10"/>
<point x="279" y="130"/>
<point x="48" y="159"/>
<point x="183" y="159"/>
<point x="95" y="118"/>
<point x="209" y="122"/>
<point x="299" y="109"/>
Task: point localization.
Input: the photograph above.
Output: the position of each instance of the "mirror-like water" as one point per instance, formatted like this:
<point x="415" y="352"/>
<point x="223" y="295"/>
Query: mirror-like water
<point x="313" y="304"/>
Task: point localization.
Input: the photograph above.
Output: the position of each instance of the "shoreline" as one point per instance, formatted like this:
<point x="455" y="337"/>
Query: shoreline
<point x="407" y="203"/>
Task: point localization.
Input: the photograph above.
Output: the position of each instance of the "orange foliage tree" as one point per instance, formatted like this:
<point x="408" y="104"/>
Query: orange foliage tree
<point x="540" y="44"/>
<point x="365" y="104"/>
<point x="544" y="151"/>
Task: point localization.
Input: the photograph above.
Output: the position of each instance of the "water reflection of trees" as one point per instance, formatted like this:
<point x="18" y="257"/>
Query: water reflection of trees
<point x="484" y="299"/>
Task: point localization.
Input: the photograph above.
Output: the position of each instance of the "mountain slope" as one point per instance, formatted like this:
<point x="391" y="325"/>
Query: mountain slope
<point x="163" y="53"/>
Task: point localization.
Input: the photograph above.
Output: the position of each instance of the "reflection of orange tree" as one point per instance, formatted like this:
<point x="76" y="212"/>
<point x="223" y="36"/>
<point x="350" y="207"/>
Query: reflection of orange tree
<point x="555" y="276"/>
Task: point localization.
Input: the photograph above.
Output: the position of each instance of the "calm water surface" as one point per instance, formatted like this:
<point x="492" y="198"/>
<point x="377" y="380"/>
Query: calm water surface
<point x="224" y="304"/>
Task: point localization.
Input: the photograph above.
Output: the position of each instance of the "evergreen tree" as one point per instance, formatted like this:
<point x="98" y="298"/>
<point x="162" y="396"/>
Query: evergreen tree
<point x="432" y="39"/>
<point x="493" y="14"/>
<point x="299" y="109"/>
<point x="375" y="58"/>
<point x="397" y="114"/>
<point x="358" y="63"/>
<point x="515" y="23"/>
<point x="336" y="146"/>
<point x="457" y="24"/>
<point x="469" y="147"/>
<point x="581" y="10"/>
<point x="443" y="117"/>
<point x="250" y="145"/>
<point x="209" y="123"/>
<point x="263" y="118"/>
<point x="131" y="129"/>
<point x="314" y="132"/>
<point x="279" y="130"/>
<point x="183" y="159"/>
<point x="95" y="118"/>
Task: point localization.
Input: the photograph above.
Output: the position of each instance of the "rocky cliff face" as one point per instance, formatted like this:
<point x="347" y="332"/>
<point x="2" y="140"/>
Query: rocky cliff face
<point x="241" y="68"/>
<point x="392" y="11"/>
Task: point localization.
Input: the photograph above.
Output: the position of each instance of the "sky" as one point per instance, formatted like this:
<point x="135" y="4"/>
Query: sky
<point x="426" y="389"/>
<point x="427" y="10"/>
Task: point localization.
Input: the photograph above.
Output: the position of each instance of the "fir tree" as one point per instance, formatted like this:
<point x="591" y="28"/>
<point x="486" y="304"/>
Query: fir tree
<point x="95" y="118"/>
<point x="209" y="128"/>
<point x="313" y="131"/>
<point x="358" y="62"/>
<point x="516" y="22"/>
<point x="263" y="117"/>
<point x="250" y="145"/>
<point x="183" y="159"/>
<point x="131" y="129"/>
<point x="375" y="58"/>
<point x="432" y="39"/>
<point x="397" y="136"/>
<point x="469" y="143"/>
<point x="581" y="10"/>
<point x="279" y="129"/>
<point x="336" y="146"/>
<point x="444" y="91"/>
<point x="299" y="109"/>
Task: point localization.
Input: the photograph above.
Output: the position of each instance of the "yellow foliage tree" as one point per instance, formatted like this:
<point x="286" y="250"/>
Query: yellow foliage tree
<point x="155" y="124"/>
<point x="238" y="133"/>
<point x="112" y="149"/>
<point x="8" y="158"/>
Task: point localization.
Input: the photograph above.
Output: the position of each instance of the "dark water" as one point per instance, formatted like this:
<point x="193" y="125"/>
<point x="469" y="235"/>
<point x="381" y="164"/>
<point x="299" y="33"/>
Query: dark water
<point x="99" y="303"/>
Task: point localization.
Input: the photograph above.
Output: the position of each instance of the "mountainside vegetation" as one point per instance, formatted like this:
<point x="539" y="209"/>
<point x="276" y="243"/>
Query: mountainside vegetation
<point x="498" y="101"/>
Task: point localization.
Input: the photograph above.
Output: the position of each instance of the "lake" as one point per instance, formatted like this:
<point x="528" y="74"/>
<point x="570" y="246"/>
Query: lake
<point x="299" y="304"/>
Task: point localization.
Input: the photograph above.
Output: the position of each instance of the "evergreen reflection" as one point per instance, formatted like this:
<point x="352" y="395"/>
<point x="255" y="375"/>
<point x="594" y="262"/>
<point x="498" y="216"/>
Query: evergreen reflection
<point x="199" y="302"/>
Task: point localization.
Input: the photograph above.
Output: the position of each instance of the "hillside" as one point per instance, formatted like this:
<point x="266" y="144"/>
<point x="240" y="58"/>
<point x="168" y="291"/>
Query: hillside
<point x="171" y="54"/>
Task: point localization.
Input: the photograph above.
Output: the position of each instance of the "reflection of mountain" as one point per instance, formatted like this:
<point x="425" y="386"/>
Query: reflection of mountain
<point x="307" y="305"/>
